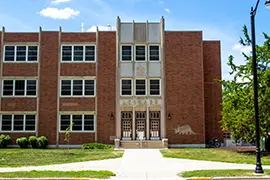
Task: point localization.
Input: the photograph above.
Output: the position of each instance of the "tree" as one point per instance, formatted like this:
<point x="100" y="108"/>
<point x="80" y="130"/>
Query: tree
<point x="238" y="109"/>
<point x="67" y="134"/>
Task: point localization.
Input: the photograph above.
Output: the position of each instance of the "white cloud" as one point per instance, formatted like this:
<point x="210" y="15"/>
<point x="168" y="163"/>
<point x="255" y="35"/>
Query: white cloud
<point x="167" y="10"/>
<point x="240" y="48"/>
<point x="101" y="28"/>
<point x="59" y="1"/>
<point x="55" y="13"/>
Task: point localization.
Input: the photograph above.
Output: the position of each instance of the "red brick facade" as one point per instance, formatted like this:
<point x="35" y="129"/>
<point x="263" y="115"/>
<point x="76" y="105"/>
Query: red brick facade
<point x="193" y="99"/>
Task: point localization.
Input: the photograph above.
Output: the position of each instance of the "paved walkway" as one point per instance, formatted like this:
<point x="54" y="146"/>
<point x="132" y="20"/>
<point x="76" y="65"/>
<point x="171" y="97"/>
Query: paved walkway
<point x="140" y="164"/>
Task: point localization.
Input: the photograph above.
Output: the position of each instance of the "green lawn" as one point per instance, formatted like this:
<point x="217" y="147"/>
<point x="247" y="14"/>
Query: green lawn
<point x="220" y="173"/>
<point x="37" y="157"/>
<point x="58" y="174"/>
<point x="213" y="155"/>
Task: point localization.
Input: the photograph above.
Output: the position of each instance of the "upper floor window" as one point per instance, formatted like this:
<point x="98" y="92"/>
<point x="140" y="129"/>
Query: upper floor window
<point x="21" y="53"/>
<point x="140" y="87"/>
<point x="140" y="53"/>
<point x="78" y="53"/>
<point x="126" y="87"/>
<point x="126" y="53"/>
<point x="18" y="122"/>
<point x="77" y="87"/>
<point x="154" y="87"/>
<point x="81" y="122"/>
<point x="19" y="88"/>
<point x="154" y="53"/>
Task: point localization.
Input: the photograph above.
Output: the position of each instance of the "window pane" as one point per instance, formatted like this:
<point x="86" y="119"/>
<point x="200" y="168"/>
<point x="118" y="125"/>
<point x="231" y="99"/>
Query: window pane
<point x="77" y="120"/>
<point x="64" y="122"/>
<point x="18" y="123"/>
<point x="8" y="88"/>
<point x="89" y="123"/>
<point x="140" y="87"/>
<point x="89" y="89"/>
<point x="154" y="87"/>
<point x="126" y="53"/>
<point x="89" y="53"/>
<point x="78" y="53"/>
<point x="6" y="122"/>
<point x="30" y="122"/>
<point x="77" y="87"/>
<point x="126" y="87"/>
<point x="66" y="87"/>
<point x="31" y="87"/>
<point x="32" y="53"/>
<point x="66" y="53"/>
<point x="21" y="53"/>
<point x="9" y="53"/>
<point x="19" y="87"/>
<point x="154" y="53"/>
<point x="140" y="53"/>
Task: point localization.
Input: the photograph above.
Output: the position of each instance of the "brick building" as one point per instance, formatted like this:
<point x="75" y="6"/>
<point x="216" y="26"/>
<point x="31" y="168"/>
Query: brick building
<point x="137" y="81"/>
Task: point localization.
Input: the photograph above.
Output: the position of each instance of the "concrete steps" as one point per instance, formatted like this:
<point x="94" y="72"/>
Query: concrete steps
<point x="141" y="144"/>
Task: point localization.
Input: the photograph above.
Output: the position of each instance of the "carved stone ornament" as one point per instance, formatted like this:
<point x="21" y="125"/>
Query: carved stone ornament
<point x="184" y="130"/>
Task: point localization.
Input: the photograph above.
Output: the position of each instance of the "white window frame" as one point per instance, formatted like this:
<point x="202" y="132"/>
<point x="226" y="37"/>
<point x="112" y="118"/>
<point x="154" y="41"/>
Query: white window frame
<point x="25" y="88"/>
<point x="15" y="53"/>
<point x="150" y="84"/>
<point x="12" y="122"/>
<point x="132" y="52"/>
<point x="78" y="96"/>
<point x="158" y="52"/>
<point x="72" y="53"/>
<point x="71" y="115"/>
<point x="136" y="88"/>
<point x="146" y="54"/>
<point x="131" y="87"/>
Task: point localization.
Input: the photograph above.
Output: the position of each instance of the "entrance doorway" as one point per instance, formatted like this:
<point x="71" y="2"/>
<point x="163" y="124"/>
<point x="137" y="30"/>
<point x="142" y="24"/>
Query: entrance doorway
<point x="126" y="125"/>
<point x="154" y="118"/>
<point x="140" y="119"/>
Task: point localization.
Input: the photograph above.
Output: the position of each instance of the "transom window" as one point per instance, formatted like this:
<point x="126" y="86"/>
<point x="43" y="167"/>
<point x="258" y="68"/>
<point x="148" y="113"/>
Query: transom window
<point x="19" y="88"/>
<point x="154" y="53"/>
<point x="140" y="53"/>
<point x="17" y="122"/>
<point x="126" y="89"/>
<point x="126" y="53"/>
<point x="77" y="87"/>
<point x="140" y="87"/>
<point x="154" y="87"/>
<point x="140" y="115"/>
<point x="81" y="122"/>
<point x="78" y="53"/>
<point x="154" y="115"/>
<point x="21" y="53"/>
<point x="126" y="115"/>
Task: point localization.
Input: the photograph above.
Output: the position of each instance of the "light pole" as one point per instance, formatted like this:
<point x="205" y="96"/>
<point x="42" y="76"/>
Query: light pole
<point x="255" y="86"/>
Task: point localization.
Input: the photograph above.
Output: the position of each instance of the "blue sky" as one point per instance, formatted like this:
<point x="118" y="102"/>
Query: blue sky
<point x="218" y="19"/>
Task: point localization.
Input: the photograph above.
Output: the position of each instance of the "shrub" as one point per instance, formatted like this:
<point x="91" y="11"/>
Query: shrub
<point x="4" y="140"/>
<point x="96" y="146"/>
<point x="42" y="142"/>
<point x="33" y="141"/>
<point x="22" y="142"/>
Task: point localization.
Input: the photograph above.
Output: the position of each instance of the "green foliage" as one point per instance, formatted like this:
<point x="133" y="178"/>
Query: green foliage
<point x="67" y="133"/>
<point x="22" y="142"/>
<point x="42" y="141"/>
<point x="33" y="141"/>
<point x="4" y="140"/>
<point x="238" y="98"/>
<point x="96" y="146"/>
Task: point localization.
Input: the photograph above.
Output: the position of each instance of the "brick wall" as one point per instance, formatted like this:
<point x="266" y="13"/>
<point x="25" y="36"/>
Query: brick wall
<point x="18" y="104"/>
<point x="20" y="69"/>
<point x="78" y="37"/>
<point x="48" y="85"/>
<point x="78" y="138"/>
<point x="212" y="90"/>
<point x="78" y="69"/>
<point x="106" y="86"/>
<point x="77" y="104"/>
<point x="21" y="37"/>
<point x="184" y="86"/>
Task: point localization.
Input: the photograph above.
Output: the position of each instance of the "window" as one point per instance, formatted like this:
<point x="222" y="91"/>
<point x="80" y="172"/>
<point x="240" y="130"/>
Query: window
<point x="78" y="53"/>
<point x="140" y="87"/>
<point x="154" y="53"/>
<point x="126" y="53"/>
<point x="81" y="122"/>
<point x="21" y="53"/>
<point x="19" y="88"/>
<point x="140" y="53"/>
<point x="154" y="87"/>
<point x="126" y="87"/>
<point x="18" y="122"/>
<point x="78" y="88"/>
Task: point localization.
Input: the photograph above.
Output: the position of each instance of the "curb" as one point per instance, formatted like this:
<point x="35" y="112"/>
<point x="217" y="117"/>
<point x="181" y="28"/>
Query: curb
<point x="230" y="178"/>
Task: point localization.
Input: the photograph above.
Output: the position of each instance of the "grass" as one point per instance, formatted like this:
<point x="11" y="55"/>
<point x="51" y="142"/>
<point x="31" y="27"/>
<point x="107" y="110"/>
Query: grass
<point x="57" y="174"/>
<point x="213" y="155"/>
<point x="221" y="173"/>
<point x="38" y="157"/>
